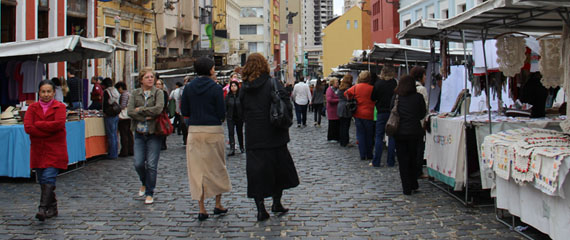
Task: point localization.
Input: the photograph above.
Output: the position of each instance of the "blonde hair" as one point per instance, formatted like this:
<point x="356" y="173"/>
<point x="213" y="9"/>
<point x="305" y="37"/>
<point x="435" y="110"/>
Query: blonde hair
<point x="64" y="87"/>
<point x="346" y="82"/>
<point x="144" y="71"/>
<point x="333" y="80"/>
<point x="387" y="73"/>
<point x="364" y="77"/>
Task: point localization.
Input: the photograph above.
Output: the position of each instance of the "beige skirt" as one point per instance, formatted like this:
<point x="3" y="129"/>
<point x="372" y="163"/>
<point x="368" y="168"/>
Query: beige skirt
<point x="206" y="162"/>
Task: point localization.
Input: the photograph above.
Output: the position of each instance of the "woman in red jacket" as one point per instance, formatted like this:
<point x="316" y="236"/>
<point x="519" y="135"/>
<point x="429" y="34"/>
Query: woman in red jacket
<point x="45" y="123"/>
<point x="364" y="115"/>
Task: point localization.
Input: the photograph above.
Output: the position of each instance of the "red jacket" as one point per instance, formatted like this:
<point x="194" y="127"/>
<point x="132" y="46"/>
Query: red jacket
<point x="364" y="105"/>
<point x="47" y="136"/>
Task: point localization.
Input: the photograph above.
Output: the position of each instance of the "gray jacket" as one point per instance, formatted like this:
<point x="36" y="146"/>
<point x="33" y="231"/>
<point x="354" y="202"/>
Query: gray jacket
<point x="318" y="95"/>
<point x="153" y="108"/>
<point x="341" y="107"/>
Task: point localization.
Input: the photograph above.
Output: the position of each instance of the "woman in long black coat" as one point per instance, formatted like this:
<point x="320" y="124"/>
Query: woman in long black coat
<point x="269" y="166"/>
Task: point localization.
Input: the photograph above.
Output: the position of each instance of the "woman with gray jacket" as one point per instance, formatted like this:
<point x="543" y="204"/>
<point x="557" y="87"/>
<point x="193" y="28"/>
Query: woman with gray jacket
<point x="145" y="104"/>
<point x="318" y="101"/>
<point x="343" y="115"/>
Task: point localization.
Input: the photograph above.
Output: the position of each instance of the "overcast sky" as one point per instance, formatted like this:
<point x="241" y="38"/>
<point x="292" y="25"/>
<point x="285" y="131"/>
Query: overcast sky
<point x="337" y="7"/>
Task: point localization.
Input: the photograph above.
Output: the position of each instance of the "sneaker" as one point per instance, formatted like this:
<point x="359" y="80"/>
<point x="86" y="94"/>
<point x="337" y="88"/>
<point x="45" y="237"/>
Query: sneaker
<point x="148" y="200"/>
<point x="141" y="191"/>
<point x="298" y="125"/>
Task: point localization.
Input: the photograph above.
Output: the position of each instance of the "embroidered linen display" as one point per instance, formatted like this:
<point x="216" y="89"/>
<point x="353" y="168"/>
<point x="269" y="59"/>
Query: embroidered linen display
<point x="530" y="155"/>
<point x="565" y="61"/>
<point x="549" y="63"/>
<point x="511" y="55"/>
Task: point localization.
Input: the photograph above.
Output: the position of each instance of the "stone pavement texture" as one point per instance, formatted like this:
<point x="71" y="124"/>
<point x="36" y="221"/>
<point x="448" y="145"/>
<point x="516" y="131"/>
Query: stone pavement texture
<point x="340" y="197"/>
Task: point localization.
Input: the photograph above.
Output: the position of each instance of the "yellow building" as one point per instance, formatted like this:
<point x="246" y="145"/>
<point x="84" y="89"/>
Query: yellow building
<point x="347" y="33"/>
<point x="275" y="33"/>
<point x="132" y="22"/>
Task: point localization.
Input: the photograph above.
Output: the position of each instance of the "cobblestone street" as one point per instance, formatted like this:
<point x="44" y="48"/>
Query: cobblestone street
<point x="340" y="197"/>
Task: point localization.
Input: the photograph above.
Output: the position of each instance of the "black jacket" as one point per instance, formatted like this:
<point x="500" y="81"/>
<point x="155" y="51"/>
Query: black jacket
<point x="203" y="102"/>
<point x="233" y="102"/>
<point x="382" y="94"/>
<point x="255" y="97"/>
<point x="412" y="109"/>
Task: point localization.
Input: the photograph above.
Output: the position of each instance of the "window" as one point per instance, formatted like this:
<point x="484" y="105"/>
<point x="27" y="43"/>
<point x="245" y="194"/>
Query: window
<point x="110" y="32"/>
<point x="355" y="24"/>
<point x="248" y="29"/>
<point x="172" y="52"/>
<point x="347" y="24"/>
<point x="375" y="25"/>
<point x="252" y="46"/>
<point x="375" y="8"/>
<point x="254" y="12"/>
<point x="461" y="8"/>
<point x="444" y="14"/>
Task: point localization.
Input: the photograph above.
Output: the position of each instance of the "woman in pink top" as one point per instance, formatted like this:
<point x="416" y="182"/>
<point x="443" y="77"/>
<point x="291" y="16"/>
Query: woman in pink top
<point x="364" y="115"/>
<point x="332" y="104"/>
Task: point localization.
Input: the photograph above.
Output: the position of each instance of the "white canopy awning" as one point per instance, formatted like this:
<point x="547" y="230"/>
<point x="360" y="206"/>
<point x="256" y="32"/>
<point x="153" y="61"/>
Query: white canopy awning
<point x="501" y="16"/>
<point x="117" y="45"/>
<point x="57" y="49"/>
<point x="426" y="29"/>
<point x="387" y="52"/>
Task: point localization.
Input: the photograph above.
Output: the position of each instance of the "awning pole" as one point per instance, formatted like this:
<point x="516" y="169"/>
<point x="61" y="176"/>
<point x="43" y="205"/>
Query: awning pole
<point x="484" y="36"/>
<point x="36" y="72"/>
<point x="466" y="95"/>
<point x="407" y="65"/>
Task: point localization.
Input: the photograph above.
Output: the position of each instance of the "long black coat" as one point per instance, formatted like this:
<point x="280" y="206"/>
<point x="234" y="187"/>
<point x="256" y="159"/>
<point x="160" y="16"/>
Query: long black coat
<point x="233" y="102"/>
<point x="255" y="98"/>
<point x="412" y="109"/>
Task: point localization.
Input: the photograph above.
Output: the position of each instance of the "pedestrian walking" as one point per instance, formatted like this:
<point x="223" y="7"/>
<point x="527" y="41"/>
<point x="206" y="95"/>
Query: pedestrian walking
<point x="176" y="95"/>
<point x="318" y="101"/>
<point x="344" y="116"/>
<point x="332" y="110"/>
<point x="364" y="115"/>
<point x="234" y="117"/>
<point x="412" y="109"/>
<point x="125" y="133"/>
<point x="45" y="123"/>
<point x="382" y="95"/>
<point x="160" y="85"/>
<point x="269" y="165"/>
<point x="111" y="96"/>
<point x="203" y="104"/>
<point x="75" y="91"/>
<point x="145" y="104"/>
<point x="302" y="98"/>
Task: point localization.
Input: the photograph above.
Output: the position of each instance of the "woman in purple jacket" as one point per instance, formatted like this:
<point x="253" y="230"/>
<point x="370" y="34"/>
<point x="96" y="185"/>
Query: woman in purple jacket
<point x="332" y="104"/>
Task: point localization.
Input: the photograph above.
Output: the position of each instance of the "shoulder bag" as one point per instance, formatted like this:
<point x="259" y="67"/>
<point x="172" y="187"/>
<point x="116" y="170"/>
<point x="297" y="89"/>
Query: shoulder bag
<point x="280" y="114"/>
<point x="393" y="120"/>
<point x="114" y="108"/>
<point x="163" y="126"/>
<point x="351" y="103"/>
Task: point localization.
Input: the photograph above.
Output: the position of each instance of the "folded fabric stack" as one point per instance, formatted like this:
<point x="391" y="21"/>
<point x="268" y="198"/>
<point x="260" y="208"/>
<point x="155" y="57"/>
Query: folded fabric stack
<point x="528" y="155"/>
<point x="9" y="117"/>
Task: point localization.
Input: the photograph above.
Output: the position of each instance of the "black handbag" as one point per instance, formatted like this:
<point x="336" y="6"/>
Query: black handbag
<point x="351" y="103"/>
<point x="281" y="111"/>
<point x="393" y="120"/>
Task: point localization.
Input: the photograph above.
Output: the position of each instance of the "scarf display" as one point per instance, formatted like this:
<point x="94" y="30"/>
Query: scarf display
<point x="549" y="63"/>
<point x="511" y="54"/>
<point x="527" y="155"/>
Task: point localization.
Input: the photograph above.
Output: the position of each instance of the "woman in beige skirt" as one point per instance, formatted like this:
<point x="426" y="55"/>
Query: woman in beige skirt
<point x="203" y="103"/>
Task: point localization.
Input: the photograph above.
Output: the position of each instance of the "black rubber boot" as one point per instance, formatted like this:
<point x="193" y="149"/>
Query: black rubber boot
<point x="41" y="215"/>
<point x="277" y="206"/>
<point x="262" y="214"/>
<point x="232" y="152"/>
<point x="52" y="204"/>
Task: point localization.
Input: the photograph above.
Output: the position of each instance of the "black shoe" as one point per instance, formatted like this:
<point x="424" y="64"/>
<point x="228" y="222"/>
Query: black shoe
<point x="219" y="211"/>
<point x="202" y="216"/>
<point x="52" y="205"/>
<point x="279" y="208"/>
<point x="232" y="152"/>
<point x="241" y="149"/>
<point x="44" y="203"/>
<point x="262" y="214"/>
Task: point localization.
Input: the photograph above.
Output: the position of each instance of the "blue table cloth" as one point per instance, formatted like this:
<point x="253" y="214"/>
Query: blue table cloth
<point x="15" y="148"/>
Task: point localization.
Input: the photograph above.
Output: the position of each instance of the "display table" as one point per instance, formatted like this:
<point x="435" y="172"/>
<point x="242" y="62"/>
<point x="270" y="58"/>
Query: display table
<point x="15" y="148"/>
<point x="95" y="138"/>
<point x="445" y="149"/>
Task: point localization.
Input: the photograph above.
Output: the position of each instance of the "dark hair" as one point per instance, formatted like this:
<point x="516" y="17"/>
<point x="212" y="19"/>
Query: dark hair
<point x="121" y="85"/>
<point x="406" y="86"/>
<point x="373" y="78"/>
<point x="56" y="81"/>
<point x="179" y="84"/>
<point x="203" y="65"/>
<point x="234" y="83"/>
<point x="107" y="82"/>
<point x="417" y="73"/>
<point x="44" y="82"/>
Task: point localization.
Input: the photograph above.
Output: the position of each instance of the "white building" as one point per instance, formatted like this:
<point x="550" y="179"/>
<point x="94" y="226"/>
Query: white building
<point x="254" y="26"/>
<point x="308" y="15"/>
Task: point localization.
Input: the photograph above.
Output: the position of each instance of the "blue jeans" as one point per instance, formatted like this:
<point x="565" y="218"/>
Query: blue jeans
<point x="301" y="113"/>
<point x="112" y="139"/>
<point x="46" y="175"/>
<point x="365" y="137"/>
<point x="381" y="120"/>
<point x="147" y="153"/>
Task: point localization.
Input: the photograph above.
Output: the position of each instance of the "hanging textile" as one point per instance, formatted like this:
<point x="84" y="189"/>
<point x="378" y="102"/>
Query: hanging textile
<point x="565" y="64"/>
<point x="549" y="63"/>
<point x="511" y="55"/>
<point x="445" y="60"/>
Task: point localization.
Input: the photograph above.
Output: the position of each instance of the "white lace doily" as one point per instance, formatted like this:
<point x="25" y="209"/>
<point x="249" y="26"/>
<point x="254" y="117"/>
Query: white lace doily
<point x="549" y="63"/>
<point x="510" y="55"/>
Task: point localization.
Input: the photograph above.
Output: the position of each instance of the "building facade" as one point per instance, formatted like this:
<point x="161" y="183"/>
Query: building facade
<point x="412" y="10"/>
<point x="348" y="4"/>
<point x="255" y="26"/>
<point x="33" y="19"/>
<point x="337" y="48"/>
<point x="177" y="33"/>
<point x="323" y="12"/>
<point x="385" y="22"/>
<point x="132" y="22"/>
<point x="308" y="22"/>
<point x="275" y="26"/>
<point x="237" y="48"/>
